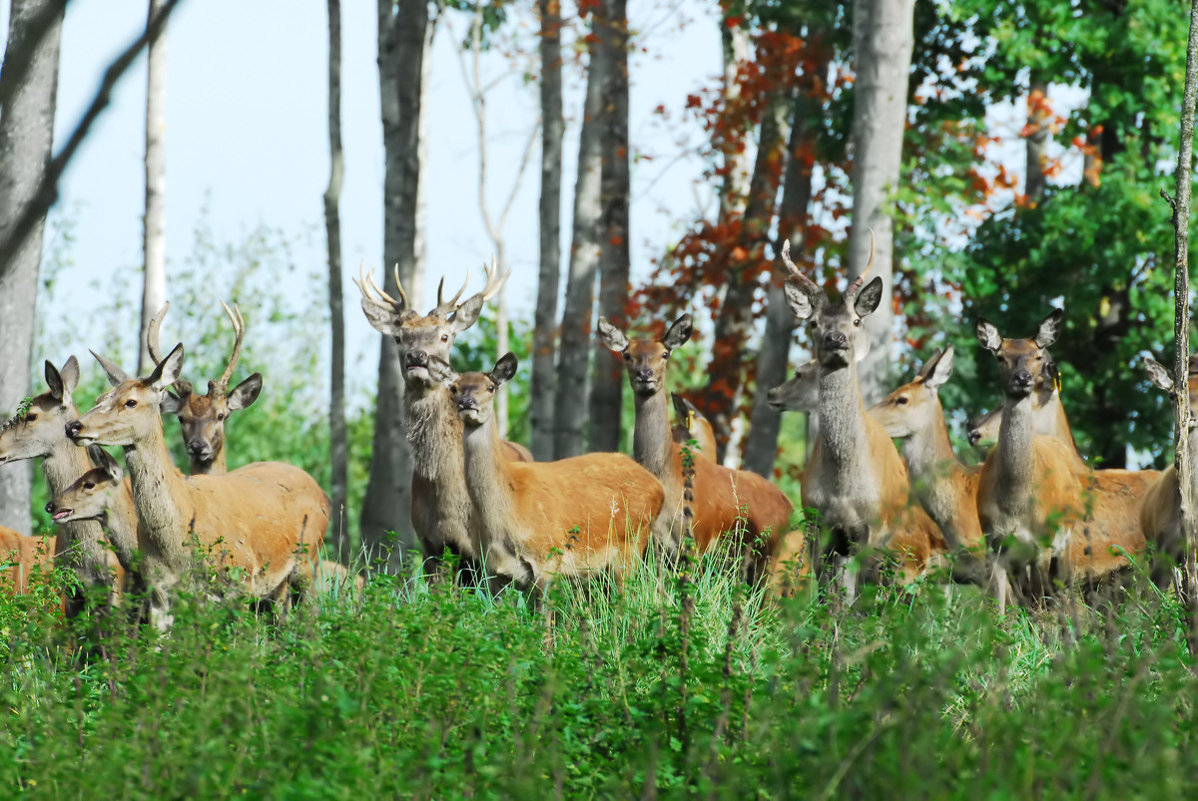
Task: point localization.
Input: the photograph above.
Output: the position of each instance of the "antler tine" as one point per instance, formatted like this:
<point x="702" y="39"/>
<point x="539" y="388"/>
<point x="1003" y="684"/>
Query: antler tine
<point x="494" y="280"/>
<point x="152" y="332"/>
<point x="855" y="285"/>
<point x="239" y="332"/>
<point x="447" y="306"/>
<point x="803" y="281"/>
<point x="399" y="286"/>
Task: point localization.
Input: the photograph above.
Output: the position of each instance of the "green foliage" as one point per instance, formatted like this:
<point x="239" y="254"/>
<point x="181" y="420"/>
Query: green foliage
<point x="689" y="684"/>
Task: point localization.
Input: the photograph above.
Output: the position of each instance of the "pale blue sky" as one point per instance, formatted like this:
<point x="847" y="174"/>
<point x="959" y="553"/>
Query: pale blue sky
<point x="246" y="136"/>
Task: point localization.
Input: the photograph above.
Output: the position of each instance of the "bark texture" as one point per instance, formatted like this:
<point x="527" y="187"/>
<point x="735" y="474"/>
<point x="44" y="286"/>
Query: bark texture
<point x="387" y="506"/>
<point x="545" y="330"/>
<point x="26" y="137"/>
<point x="154" y="232"/>
<point x="337" y="537"/>
<point x="883" y="38"/>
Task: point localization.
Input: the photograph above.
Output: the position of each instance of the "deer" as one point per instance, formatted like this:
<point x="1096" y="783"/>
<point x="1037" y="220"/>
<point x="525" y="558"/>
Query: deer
<point x="854" y="478"/>
<point x="573" y="518"/>
<point x="251" y="523"/>
<point x="38" y="433"/>
<point x="692" y="424"/>
<point x="945" y="486"/>
<point x="1160" y="514"/>
<point x="20" y="557"/>
<point x="800" y="393"/>
<point x="202" y="417"/>
<point x="441" y="510"/>
<point x="726" y="502"/>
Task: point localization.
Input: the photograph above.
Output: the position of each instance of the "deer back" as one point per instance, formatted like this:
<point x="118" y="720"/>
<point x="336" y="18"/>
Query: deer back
<point x="21" y="555"/>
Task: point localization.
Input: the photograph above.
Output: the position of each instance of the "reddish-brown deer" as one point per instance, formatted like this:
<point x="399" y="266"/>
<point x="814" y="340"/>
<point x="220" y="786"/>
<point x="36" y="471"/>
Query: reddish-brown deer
<point x="691" y="424"/>
<point x="733" y="503"/>
<point x="255" y="520"/>
<point x="573" y="517"/>
<point x="38" y="433"/>
<point x="854" y="478"/>
<point x="202" y="417"/>
<point x="441" y="512"/>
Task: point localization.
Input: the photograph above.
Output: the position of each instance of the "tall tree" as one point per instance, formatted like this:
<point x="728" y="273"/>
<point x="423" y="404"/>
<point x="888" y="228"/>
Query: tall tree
<point x="611" y="30"/>
<point x="154" y="233"/>
<point x="402" y="40"/>
<point x="545" y="330"/>
<point x="338" y="442"/>
<point x="26" y="137"/>
<point x="883" y="40"/>
<point x="578" y="314"/>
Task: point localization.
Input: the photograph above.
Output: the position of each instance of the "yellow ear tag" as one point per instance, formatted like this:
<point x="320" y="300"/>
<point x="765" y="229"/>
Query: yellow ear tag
<point x="690" y="419"/>
<point x="1056" y="382"/>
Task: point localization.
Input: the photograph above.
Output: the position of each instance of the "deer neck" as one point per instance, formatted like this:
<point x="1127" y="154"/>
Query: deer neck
<point x="842" y="418"/>
<point x="120" y="523"/>
<point x="928" y="452"/>
<point x="652" y="445"/>
<point x="158" y="488"/>
<point x="434" y="432"/>
<point x="487" y="480"/>
<point x="217" y="467"/>
<point x="1016" y="435"/>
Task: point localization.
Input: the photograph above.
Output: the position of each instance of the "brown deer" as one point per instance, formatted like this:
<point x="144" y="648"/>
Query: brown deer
<point x="735" y="503"/>
<point x="441" y="512"/>
<point x="101" y="494"/>
<point x="255" y="520"/>
<point x="202" y="417"/>
<point x="20" y="556"/>
<point x="946" y="487"/>
<point x="801" y="392"/>
<point x="1029" y="491"/>
<point x="38" y="433"/>
<point x="1160" y="515"/>
<point x="692" y="424"/>
<point x="573" y="517"/>
<point x="854" y="478"/>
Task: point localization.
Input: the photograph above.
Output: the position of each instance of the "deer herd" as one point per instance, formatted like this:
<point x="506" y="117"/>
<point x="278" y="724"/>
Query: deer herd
<point x="1030" y="522"/>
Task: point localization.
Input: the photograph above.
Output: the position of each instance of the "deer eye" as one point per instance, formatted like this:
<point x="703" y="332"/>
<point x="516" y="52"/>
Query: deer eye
<point x="856" y="321"/>
<point x="491" y="388"/>
<point x="627" y="356"/>
<point x="89" y="485"/>
<point x="129" y="404"/>
<point x="220" y="417"/>
<point x="901" y="400"/>
<point x="30" y="417"/>
<point x="665" y="355"/>
<point x="453" y="389"/>
<point x="445" y="337"/>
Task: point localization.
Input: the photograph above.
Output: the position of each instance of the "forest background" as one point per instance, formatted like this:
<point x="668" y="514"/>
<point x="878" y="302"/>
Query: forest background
<point x="1034" y="139"/>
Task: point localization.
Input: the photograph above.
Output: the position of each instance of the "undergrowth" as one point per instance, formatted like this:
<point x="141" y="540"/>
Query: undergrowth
<point x="673" y="684"/>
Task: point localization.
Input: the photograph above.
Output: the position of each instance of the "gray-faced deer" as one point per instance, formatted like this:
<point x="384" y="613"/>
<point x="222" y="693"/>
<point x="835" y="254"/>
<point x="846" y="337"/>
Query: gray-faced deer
<point x="946" y="487"/>
<point x="202" y="417"/>
<point x="1029" y="489"/>
<point x="855" y="477"/>
<point x="1160" y="515"/>
<point x="733" y="503"/>
<point x="691" y="424"/>
<point x="441" y="511"/>
<point x="38" y="433"/>
<point x="574" y="517"/>
<point x="255" y="520"/>
<point x="801" y="392"/>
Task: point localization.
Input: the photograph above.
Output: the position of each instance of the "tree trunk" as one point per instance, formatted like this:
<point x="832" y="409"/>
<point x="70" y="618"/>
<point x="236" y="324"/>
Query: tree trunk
<point x="402" y="40"/>
<point x="337" y="537"/>
<point x="154" y="241"/>
<point x="735" y="322"/>
<point x="883" y="38"/>
<point x="608" y="382"/>
<point x="570" y="401"/>
<point x="545" y="330"/>
<point x="26" y="137"/>
<point x="1181" y="332"/>
<point x="774" y="355"/>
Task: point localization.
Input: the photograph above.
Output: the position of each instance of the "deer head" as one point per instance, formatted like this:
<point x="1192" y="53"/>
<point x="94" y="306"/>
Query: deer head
<point x="839" y="337"/>
<point x="801" y="392"/>
<point x="1021" y="361"/>
<point x="91" y="495"/>
<point x="33" y="433"/>
<point x="130" y="411"/>
<point x="417" y="337"/>
<point x="202" y="417"/>
<point x="474" y="393"/>
<point x="646" y="359"/>
<point x="915" y="405"/>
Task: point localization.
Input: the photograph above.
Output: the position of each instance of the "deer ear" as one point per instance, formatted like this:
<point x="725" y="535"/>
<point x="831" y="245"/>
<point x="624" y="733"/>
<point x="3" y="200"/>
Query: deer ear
<point x="988" y="335"/>
<point x="62" y="383"/>
<point x="1157" y="374"/>
<point x="103" y="459"/>
<point x="167" y="371"/>
<point x="116" y="376"/>
<point x="505" y="368"/>
<point x="938" y="369"/>
<point x="612" y="337"/>
<point x="171" y="404"/>
<point x="467" y="314"/>
<point x="245" y="393"/>
<point x="867" y="299"/>
<point x="1050" y="328"/>
<point x="380" y="316"/>
<point x="440" y="370"/>
<point x="678" y="333"/>
<point x="799" y="301"/>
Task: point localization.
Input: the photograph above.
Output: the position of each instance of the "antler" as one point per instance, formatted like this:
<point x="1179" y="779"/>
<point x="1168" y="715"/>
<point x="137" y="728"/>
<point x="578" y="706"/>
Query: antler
<point x="445" y="307"/>
<point x="805" y="283"/>
<point x="239" y="332"/>
<point x="370" y="289"/>
<point x="855" y="285"/>
<point x="494" y="280"/>
<point x="152" y="332"/>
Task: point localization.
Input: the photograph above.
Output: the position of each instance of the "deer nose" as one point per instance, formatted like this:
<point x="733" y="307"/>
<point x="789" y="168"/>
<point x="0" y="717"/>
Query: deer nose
<point x="466" y="402"/>
<point x="50" y="508"/>
<point x="73" y="428"/>
<point x="1022" y="379"/>
<point x="645" y="375"/>
<point x="197" y="447"/>
<point x="836" y="339"/>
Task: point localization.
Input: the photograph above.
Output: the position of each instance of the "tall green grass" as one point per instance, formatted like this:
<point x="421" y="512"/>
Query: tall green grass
<point x="673" y="684"/>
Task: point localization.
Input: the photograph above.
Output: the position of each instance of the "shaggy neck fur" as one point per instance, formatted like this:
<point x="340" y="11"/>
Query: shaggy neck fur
<point x="1016" y="458"/>
<point x="156" y="484"/>
<point x="842" y="421"/>
<point x="489" y="485"/>
<point x="652" y="445"/>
